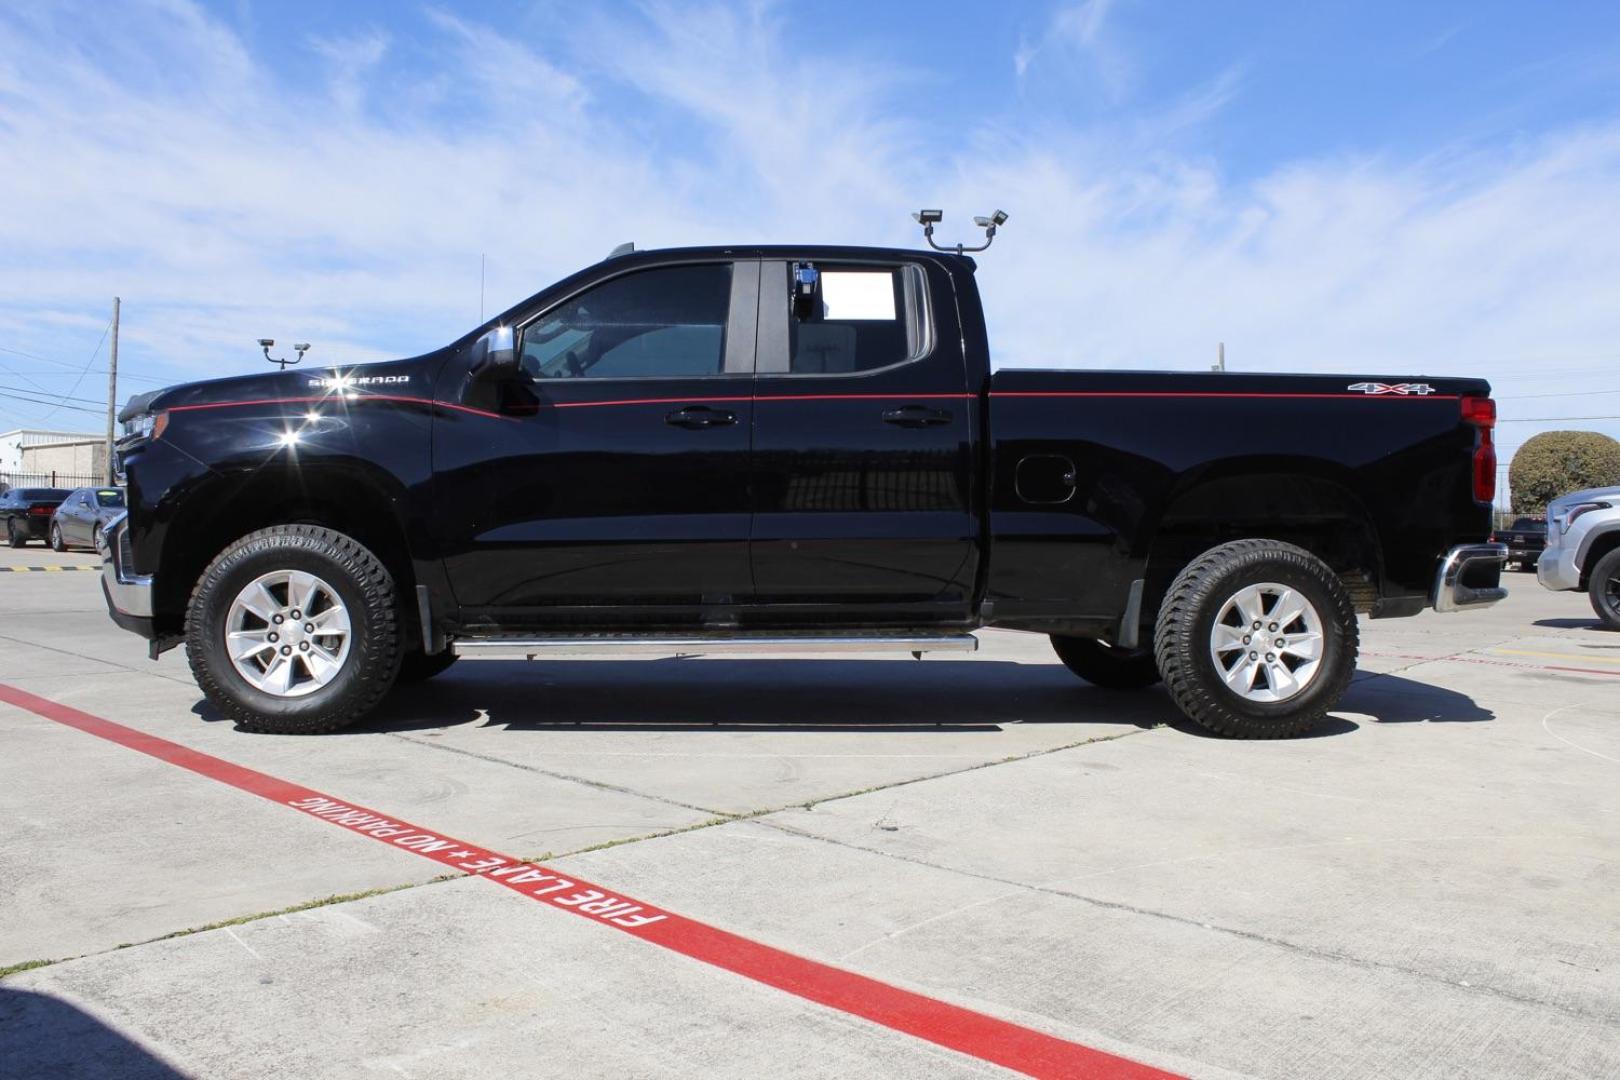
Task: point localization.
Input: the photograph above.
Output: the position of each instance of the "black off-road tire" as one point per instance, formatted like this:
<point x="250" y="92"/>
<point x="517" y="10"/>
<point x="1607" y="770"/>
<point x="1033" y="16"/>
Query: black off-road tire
<point x="417" y="666"/>
<point x="367" y="590"/>
<point x="56" y="538"/>
<point x="13" y="537"/>
<point x="1604" y="586"/>
<point x="1106" y="666"/>
<point x="1182" y="638"/>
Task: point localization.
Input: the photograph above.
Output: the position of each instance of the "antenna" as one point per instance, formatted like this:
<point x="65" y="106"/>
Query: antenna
<point x="929" y="218"/>
<point x="301" y="348"/>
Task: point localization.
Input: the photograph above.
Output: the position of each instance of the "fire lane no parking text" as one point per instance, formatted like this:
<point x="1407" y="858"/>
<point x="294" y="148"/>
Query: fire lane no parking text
<point x="968" y="1032"/>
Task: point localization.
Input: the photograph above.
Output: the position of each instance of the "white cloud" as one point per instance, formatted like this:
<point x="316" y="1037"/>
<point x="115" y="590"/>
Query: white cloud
<point x="151" y="153"/>
<point x="1078" y="35"/>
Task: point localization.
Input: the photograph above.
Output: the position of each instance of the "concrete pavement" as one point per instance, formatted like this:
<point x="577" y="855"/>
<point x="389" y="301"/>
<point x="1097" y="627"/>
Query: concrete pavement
<point x="1428" y="887"/>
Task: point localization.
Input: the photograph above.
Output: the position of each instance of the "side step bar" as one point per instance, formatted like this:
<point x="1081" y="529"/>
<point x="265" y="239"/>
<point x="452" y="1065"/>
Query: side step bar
<point x="533" y="648"/>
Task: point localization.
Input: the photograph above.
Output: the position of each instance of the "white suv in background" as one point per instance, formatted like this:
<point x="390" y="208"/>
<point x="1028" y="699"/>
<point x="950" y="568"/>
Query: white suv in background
<point x="1583" y="549"/>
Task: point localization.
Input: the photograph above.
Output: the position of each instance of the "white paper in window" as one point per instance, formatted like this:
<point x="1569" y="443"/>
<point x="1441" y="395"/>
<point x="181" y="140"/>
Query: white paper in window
<point x="850" y="295"/>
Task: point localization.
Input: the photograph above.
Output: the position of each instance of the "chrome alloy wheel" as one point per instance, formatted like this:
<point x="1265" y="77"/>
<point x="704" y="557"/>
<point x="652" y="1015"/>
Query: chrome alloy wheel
<point x="287" y="633"/>
<point x="1267" y="642"/>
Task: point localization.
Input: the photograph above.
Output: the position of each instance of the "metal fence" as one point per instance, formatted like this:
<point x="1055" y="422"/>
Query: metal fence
<point x="52" y="479"/>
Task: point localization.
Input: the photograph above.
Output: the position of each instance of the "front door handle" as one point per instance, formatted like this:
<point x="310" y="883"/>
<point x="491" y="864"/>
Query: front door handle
<point x="700" y="416"/>
<point x="916" y="416"/>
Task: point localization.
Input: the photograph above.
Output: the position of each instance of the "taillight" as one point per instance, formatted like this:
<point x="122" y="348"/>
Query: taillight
<point x="42" y="511"/>
<point x="1481" y="412"/>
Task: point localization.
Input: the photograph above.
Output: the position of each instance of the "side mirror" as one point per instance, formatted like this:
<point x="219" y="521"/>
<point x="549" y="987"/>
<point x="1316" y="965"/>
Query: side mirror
<point x="494" y="354"/>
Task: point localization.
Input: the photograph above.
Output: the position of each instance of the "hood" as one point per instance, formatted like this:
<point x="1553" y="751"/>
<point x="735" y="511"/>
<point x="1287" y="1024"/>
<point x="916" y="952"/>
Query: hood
<point x="1598" y="494"/>
<point x="413" y="377"/>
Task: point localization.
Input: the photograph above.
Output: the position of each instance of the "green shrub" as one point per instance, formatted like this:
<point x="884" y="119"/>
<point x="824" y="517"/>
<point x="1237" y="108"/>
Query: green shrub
<point x="1555" y="463"/>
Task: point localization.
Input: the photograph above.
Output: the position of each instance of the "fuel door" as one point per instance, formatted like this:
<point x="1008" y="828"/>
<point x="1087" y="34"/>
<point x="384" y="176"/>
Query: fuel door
<point x="1045" y="479"/>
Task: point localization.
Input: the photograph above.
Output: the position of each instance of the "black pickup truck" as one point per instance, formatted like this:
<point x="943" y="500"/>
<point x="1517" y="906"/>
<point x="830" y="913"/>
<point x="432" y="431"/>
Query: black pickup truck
<point x="789" y="449"/>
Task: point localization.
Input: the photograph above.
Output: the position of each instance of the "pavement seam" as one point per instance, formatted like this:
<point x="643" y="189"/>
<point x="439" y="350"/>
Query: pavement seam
<point x="600" y="785"/>
<point x="1247" y="935"/>
<point x="95" y="660"/>
<point x="725" y="816"/>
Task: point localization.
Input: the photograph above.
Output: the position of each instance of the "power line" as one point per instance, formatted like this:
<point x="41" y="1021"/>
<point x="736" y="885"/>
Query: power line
<point x="50" y="396"/>
<point x="93" y="354"/>
<point x="35" y="401"/>
<point x="70" y="365"/>
<point x="1570" y="393"/>
<point x="1548" y="419"/>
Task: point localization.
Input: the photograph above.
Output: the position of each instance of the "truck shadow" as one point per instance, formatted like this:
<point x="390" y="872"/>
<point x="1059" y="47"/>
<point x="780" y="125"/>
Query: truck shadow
<point x="1570" y="624"/>
<point x="829" y="696"/>
<point x="42" y="1035"/>
<point x="1394" y="699"/>
<point x="776" y="695"/>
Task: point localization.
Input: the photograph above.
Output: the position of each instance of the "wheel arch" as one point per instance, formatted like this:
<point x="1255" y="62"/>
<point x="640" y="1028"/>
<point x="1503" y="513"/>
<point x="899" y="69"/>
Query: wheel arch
<point x="365" y="506"/>
<point x="1601" y="544"/>
<point x="1312" y="505"/>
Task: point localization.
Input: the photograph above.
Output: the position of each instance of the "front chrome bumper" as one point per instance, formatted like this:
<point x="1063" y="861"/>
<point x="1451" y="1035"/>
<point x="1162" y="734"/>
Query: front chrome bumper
<point x="127" y="591"/>
<point x="1453" y="593"/>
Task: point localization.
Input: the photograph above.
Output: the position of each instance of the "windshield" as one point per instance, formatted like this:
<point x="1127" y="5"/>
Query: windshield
<point x="1529" y="523"/>
<point x="111" y="498"/>
<point x="43" y="494"/>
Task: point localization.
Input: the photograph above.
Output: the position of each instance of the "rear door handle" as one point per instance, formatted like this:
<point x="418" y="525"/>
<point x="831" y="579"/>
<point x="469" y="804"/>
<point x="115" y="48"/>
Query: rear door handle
<point x="700" y="416"/>
<point x="916" y="416"/>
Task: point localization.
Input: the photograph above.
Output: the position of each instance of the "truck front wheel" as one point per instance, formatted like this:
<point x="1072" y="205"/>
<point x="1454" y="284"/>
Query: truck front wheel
<point x="1604" y="585"/>
<point x="293" y="630"/>
<point x="1104" y="665"/>
<point x="1256" y="640"/>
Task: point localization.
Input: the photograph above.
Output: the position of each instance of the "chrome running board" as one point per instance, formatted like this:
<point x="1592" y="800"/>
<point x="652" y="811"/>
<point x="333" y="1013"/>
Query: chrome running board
<point x="611" y="645"/>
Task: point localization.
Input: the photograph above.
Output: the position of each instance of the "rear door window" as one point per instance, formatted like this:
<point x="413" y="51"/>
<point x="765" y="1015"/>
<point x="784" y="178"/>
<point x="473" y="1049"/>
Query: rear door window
<point x="860" y="318"/>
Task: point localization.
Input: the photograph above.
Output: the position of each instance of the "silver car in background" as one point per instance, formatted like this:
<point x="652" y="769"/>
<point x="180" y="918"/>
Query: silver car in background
<point x="1583" y="549"/>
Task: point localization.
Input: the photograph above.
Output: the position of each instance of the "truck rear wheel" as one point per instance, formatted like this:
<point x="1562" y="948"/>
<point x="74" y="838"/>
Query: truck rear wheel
<point x="1256" y="640"/>
<point x="293" y="630"/>
<point x="1104" y="665"/>
<point x="1604" y="586"/>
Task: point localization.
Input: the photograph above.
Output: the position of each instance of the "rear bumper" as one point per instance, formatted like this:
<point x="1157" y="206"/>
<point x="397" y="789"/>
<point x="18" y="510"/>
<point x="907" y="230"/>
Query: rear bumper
<point x="129" y="595"/>
<point x="1470" y="577"/>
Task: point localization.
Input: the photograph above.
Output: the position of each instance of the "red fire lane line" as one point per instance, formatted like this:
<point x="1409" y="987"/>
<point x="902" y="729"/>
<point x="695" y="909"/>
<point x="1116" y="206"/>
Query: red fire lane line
<point x="963" y="1030"/>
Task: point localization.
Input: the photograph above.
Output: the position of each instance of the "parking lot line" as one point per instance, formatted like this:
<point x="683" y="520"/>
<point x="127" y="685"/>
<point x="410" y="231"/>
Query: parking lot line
<point x="975" y="1034"/>
<point x="1559" y="655"/>
<point x="1459" y="658"/>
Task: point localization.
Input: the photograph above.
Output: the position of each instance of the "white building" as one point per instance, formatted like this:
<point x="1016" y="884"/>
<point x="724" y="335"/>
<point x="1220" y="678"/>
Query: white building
<point x="37" y="458"/>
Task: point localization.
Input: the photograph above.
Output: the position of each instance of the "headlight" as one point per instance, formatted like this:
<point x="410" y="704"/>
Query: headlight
<point x="1578" y="509"/>
<point x="146" y="425"/>
<point x="1585" y="507"/>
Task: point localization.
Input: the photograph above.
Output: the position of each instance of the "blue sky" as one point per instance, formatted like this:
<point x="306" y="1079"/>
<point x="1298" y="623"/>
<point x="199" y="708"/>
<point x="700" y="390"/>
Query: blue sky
<point x="1374" y="188"/>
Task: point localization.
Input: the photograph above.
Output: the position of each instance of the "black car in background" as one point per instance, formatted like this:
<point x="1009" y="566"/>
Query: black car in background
<point x="78" y="521"/>
<point x="1526" y="539"/>
<point x="25" y="513"/>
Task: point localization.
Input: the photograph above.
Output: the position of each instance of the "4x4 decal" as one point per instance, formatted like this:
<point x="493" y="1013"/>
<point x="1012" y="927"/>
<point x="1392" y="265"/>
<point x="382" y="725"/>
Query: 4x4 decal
<point x="1402" y="389"/>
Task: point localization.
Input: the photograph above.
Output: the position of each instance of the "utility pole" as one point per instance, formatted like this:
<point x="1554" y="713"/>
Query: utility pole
<point x="480" y="288"/>
<point x="112" y="397"/>
<point x="1220" y="357"/>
